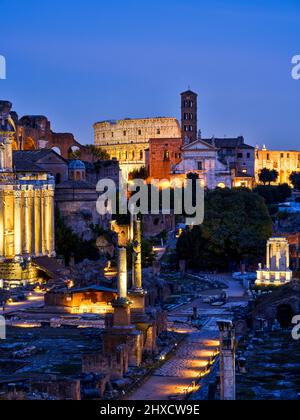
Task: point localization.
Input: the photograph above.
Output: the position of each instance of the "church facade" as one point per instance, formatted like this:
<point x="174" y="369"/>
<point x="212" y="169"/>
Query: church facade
<point x="201" y="158"/>
<point x="26" y="211"/>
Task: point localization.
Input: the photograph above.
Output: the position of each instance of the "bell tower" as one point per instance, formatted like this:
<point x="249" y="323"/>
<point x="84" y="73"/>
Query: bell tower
<point x="189" y="116"/>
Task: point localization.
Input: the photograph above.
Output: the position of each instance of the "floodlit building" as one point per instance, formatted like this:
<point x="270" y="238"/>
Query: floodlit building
<point x="277" y="271"/>
<point x="26" y="210"/>
<point x="283" y="161"/>
<point x="127" y="140"/>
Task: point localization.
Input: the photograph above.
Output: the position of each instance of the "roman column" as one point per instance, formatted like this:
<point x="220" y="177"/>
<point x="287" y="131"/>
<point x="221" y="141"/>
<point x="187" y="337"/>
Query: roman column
<point x="26" y="223"/>
<point x="227" y="361"/>
<point x="18" y="222"/>
<point x="37" y="214"/>
<point x="8" y="154"/>
<point x="51" y="229"/>
<point x="2" y="253"/>
<point x="268" y="256"/>
<point x="43" y="222"/>
<point x="137" y="255"/>
<point x="122" y="278"/>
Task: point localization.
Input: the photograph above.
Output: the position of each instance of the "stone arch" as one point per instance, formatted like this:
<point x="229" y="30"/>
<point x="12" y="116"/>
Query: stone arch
<point x="56" y="150"/>
<point x="74" y="152"/>
<point x="29" y="144"/>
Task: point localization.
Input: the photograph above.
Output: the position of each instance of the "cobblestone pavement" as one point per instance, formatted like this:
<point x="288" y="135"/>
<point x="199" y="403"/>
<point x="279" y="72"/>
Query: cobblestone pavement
<point x="175" y="377"/>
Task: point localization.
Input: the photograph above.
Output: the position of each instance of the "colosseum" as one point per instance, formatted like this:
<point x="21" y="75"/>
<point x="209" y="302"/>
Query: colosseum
<point x="128" y="140"/>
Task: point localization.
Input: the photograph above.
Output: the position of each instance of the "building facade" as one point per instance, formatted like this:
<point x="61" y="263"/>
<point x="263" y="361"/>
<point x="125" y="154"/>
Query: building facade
<point x="128" y="140"/>
<point x="284" y="162"/>
<point x="26" y="210"/>
<point x="202" y="159"/>
<point x="164" y="154"/>
<point x="239" y="157"/>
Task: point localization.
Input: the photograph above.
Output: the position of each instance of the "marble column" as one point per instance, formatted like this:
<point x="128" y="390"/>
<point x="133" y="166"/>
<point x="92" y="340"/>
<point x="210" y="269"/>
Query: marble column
<point x="37" y="211"/>
<point x="268" y="256"/>
<point x="137" y="255"/>
<point x="43" y="222"/>
<point x="52" y="223"/>
<point x="8" y="154"/>
<point x="227" y="361"/>
<point x="2" y="159"/>
<point x="18" y="222"/>
<point x="122" y="278"/>
<point x="26" y="224"/>
<point x="2" y="253"/>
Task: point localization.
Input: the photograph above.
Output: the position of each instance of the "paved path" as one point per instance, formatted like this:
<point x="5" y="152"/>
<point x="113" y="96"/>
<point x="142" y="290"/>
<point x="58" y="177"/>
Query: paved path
<point x="175" y="378"/>
<point x="36" y="301"/>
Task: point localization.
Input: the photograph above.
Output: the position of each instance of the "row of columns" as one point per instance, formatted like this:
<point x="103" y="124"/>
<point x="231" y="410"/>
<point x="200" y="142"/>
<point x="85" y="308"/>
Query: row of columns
<point x="27" y="222"/>
<point x="275" y="250"/>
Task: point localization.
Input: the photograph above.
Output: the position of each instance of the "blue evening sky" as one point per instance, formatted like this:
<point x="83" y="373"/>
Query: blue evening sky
<point x="82" y="62"/>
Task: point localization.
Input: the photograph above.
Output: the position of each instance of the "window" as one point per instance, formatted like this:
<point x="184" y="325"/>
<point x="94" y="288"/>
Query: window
<point x="240" y="155"/>
<point x="200" y="166"/>
<point x="140" y="132"/>
<point x="104" y="135"/>
<point x="248" y="155"/>
<point x="282" y="155"/>
<point x="191" y="128"/>
<point x="166" y="155"/>
<point x="158" y="131"/>
<point x="191" y="117"/>
<point x="186" y="128"/>
<point x="268" y="156"/>
<point x="112" y="134"/>
<point x="124" y="133"/>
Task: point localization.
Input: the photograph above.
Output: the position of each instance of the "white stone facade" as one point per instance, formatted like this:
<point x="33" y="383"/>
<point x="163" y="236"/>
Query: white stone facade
<point x="202" y="159"/>
<point x="277" y="270"/>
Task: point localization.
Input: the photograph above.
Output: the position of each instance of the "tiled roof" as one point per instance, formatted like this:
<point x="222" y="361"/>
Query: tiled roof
<point x="229" y="143"/>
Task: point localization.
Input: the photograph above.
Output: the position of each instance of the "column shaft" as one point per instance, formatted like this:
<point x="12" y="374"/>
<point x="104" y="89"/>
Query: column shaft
<point x="18" y="222"/>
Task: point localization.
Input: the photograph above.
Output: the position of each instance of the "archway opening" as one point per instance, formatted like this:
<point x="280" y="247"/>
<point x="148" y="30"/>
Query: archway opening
<point x="29" y="144"/>
<point x="57" y="150"/>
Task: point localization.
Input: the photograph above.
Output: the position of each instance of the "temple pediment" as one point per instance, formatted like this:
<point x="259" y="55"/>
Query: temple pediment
<point x="198" y="145"/>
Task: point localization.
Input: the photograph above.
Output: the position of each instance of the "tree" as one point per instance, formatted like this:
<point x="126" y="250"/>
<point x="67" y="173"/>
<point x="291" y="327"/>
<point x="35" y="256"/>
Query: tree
<point x="274" y="194"/>
<point x="68" y="244"/>
<point x="268" y="176"/>
<point x="97" y="152"/>
<point x="235" y="229"/>
<point x="141" y="173"/>
<point x="295" y="180"/>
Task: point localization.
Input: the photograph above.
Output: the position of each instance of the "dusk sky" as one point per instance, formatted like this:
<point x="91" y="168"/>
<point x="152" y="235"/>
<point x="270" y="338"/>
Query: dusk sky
<point x="82" y="62"/>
